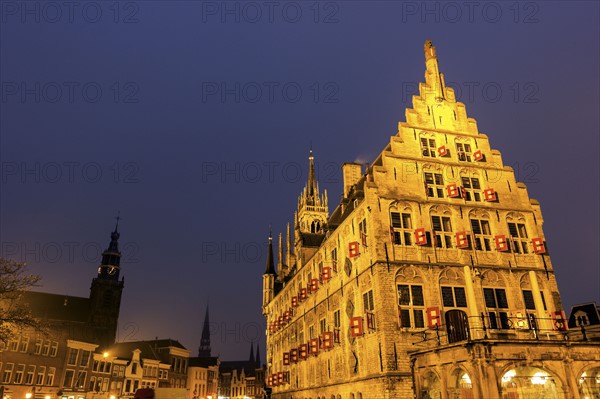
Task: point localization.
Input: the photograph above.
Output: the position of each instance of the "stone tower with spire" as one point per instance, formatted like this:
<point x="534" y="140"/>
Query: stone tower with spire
<point x="106" y="291"/>
<point x="310" y="220"/>
<point x="269" y="276"/>
<point x="204" y="349"/>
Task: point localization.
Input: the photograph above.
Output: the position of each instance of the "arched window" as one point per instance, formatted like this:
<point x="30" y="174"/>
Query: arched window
<point x="529" y="382"/>
<point x="460" y="385"/>
<point x="431" y="387"/>
<point x="589" y="383"/>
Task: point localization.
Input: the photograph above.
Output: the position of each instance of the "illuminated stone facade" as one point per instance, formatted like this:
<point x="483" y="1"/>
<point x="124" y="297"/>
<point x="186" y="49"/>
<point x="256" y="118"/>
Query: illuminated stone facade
<point x="430" y="279"/>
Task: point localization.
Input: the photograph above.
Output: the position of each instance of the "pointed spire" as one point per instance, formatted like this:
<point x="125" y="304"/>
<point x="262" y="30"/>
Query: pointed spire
<point x="311" y="188"/>
<point x="280" y="253"/>
<point x="270" y="261"/>
<point x="204" y="350"/>
<point x="288" y="247"/>
<point x="258" y="360"/>
<point x="252" y="360"/>
<point x="433" y="77"/>
<point x="114" y="237"/>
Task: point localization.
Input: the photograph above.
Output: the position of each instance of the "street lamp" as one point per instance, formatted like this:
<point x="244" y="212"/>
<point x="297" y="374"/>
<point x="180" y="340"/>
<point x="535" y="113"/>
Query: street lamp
<point x="28" y="395"/>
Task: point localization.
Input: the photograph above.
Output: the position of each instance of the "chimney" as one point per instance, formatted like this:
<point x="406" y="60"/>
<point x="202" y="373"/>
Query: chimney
<point x="352" y="173"/>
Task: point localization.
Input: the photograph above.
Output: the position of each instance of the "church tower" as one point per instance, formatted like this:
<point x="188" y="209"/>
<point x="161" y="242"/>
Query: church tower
<point x="105" y="292"/>
<point x="310" y="224"/>
<point x="269" y="276"/>
<point x="204" y="349"/>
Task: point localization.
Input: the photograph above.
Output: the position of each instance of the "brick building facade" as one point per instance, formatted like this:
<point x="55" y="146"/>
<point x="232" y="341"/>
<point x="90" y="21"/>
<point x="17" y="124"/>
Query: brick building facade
<point x="430" y="279"/>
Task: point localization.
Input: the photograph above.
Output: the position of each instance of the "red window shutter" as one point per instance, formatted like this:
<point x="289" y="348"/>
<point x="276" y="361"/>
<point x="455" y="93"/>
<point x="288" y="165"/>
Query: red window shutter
<point x="286" y="358"/>
<point x="442" y="151"/>
<point x="501" y="244"/>
<point x="280" y="377"/>
<point x="353" y="249"/>
<point x="294" y="301"/>
<point x="538" y="245"/>
<point x="294" y="355"/>
<point x="314" y="285"/>
<point x="280" y="321"/>
<point x="462" y="240"/>
<point x="314" y="346"/>
<point x="326" y="273"/>
<point x="303" y="294"/>
<point x="478" y="155"/>
<point x="433" y="317"/>
<point x="463" y="192"/>
<point x="270" y="381"/>
<point x="327" y="340"/>
<point x="303" y="351"/>
<point x="420" y="237"/>
<point x="356" y="326"/>
<point x="490" y="194"/>
<point x="452" y="191"/>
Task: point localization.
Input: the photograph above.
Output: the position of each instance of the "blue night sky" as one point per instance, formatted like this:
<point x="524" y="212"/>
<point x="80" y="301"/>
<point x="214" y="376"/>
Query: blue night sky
<point x="194" y="120"/>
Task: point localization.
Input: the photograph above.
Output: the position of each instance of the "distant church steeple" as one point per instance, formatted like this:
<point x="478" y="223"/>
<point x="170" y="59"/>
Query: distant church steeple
<point x="111" y="258"/>
<point x="204" y="349"/>
<point x="105" y="292"/>
<point x="252" y="360"/>
<point x="270" y="275"/>
<point x="258" y="360"/>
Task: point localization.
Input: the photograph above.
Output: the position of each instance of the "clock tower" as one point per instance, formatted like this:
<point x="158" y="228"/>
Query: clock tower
<point x="105" y="292"/>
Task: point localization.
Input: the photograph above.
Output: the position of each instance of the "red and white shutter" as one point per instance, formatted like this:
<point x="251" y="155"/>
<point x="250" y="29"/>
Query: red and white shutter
<point x="478" y="155"/>
<point x="326" y="275"/>
<point x="327" y="340"/>
<point x="294" y="355"/>
<point x="538" y="245"/>
<point x="452" y="191"/>
<point x="356" y="326"/>
<point x="462" y="240"/>
<point x="353" y="249"/>
<point x="314" y="285"/>
<point x="433" y="317"/>
<point x="303" y="294"/>
<point x="314" y="346"/>
<point x="442" y="151"/>
<point x="501" y="243"/>
<point x="286" y="358"/>
<point x="303" y="352"/>
<point x="420" y="236"/>
<point x="294" y="301"/>
<point x="490" y="195"/>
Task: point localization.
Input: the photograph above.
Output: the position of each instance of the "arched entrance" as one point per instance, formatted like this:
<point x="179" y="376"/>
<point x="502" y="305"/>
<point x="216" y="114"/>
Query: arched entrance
<point x="460" y="385"/>
<point x="457" y="326"/>
<point x="431" y="387"/>
<point x="527" y="382"/>
<point x="589" y="383"/>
